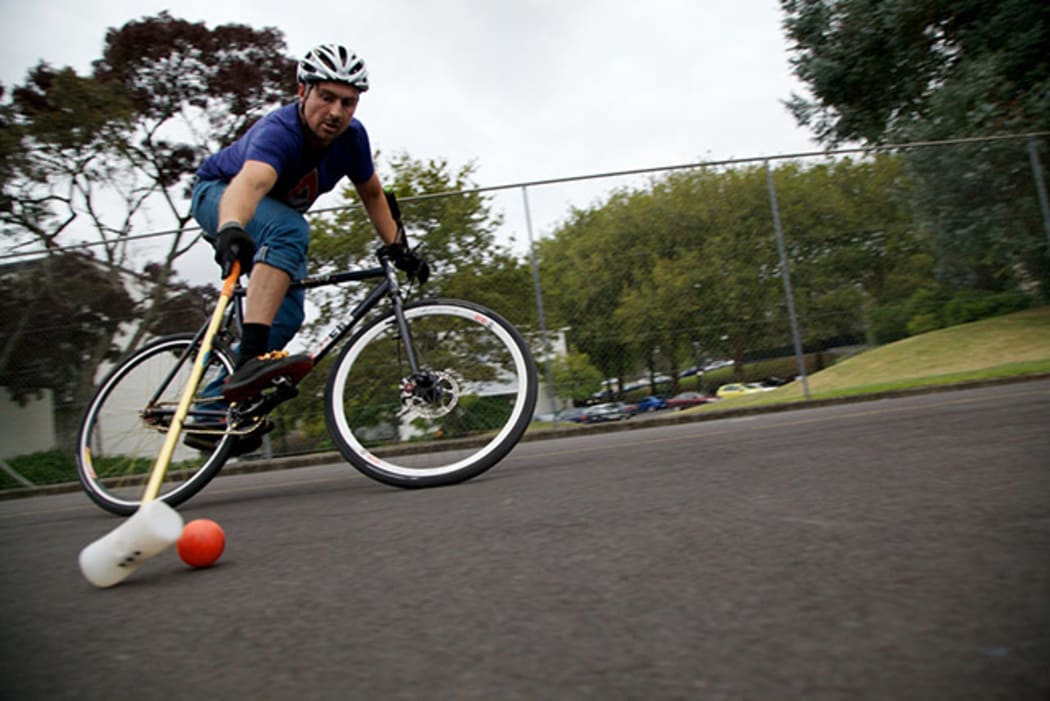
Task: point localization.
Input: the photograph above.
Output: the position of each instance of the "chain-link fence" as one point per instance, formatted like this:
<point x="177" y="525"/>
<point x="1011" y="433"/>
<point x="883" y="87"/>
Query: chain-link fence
<point x="760" y="271"/>
<point x="628" y="285"/>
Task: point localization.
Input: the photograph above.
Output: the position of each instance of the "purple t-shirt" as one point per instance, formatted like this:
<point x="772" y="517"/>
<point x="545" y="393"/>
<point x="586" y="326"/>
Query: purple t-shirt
<point x="303" y="172"/>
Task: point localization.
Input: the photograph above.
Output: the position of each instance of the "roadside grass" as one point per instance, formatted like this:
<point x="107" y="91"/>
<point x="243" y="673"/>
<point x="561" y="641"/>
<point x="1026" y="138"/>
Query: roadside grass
<point x="1014" y="345"/>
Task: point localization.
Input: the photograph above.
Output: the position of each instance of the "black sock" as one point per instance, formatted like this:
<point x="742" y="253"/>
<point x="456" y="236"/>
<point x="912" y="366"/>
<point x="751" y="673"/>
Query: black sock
<point x="255" y="340"/>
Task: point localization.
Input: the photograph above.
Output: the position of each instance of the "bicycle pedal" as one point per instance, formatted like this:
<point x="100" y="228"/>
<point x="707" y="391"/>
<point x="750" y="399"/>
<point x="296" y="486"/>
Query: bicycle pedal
<point x="259" y="428"/>
<point x="283" y="383"/>
<point x="256" y="408"/>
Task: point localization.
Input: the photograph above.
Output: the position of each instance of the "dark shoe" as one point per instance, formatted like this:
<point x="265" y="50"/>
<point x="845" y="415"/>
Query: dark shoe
<point x="206" y="424"/>
<point x="259" y="373"/>
<point x="242" y="445"/>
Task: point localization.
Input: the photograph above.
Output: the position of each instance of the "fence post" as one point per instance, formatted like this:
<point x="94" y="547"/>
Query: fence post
<point x="786" y="273"/>
<point x="1040" y="186"/>
<point x="539" y="303"/>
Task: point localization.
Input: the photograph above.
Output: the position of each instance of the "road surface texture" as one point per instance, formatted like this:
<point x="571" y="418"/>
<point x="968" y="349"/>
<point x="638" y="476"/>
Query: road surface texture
<point x="892" y="549"/>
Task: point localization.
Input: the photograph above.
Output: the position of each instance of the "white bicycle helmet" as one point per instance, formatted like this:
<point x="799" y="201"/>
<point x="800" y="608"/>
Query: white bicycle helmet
<point x="333" y="62"/>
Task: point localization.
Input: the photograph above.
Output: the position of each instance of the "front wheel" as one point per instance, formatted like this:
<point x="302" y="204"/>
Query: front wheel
<point x="465" y="409"/>
<point x="127" y="420"/>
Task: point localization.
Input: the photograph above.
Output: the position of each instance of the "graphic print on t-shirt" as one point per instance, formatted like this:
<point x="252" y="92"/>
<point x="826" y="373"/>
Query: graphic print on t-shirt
<point x="304" y="192"/>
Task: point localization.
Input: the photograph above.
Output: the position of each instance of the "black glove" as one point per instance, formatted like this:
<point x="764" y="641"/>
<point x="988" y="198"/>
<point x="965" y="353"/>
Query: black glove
<point x="234" y="243"/>
<point x="407" y="260"/>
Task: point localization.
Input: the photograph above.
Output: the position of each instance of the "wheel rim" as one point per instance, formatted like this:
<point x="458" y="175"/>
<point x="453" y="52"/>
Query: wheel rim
<point x="435" y="455"/>
<point x="122" y="435"/>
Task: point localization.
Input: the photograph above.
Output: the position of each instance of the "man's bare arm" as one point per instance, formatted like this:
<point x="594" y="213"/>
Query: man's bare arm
<point x="245" y="191"/>
<point x="374" y="200"/>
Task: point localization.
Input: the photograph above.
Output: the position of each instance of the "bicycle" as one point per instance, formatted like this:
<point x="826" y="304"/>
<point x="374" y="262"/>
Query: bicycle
<point x="429" y="393"/>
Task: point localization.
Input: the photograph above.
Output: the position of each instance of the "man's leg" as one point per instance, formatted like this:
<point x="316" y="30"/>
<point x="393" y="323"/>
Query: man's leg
<point x="267" y="288"/>
<point x="289" y="319"/>
<point x="281" y="237"/>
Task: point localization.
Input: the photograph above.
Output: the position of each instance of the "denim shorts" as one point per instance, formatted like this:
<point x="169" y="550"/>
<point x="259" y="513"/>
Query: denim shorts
<point x="282" y="238"/>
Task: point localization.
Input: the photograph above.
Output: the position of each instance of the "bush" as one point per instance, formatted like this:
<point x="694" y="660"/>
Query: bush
<point x="932" y="308"/>
<point x="890" y="323"/>
<point x="923" y="323"/>
<point x="974" y="305"/>
<point x="47" y="467"/>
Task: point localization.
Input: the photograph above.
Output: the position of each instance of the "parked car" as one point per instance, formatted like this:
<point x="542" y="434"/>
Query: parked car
<point x="650" y="403"/>
<point x="610" y="411"/>
<point x="573" y="414"/>
<point x="685" y="400"/>
<point x="738" y="389"/>
<point x="760" y="387"/>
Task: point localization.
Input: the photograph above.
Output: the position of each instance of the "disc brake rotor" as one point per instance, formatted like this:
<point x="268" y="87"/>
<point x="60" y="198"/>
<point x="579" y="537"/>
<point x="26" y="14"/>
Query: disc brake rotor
<point x="431" y="394"/>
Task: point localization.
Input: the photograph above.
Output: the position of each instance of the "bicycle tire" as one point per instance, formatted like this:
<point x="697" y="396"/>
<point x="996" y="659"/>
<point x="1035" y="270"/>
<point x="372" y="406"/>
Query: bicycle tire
<point x="121" y="433"/>
<point x="485" y="377"/>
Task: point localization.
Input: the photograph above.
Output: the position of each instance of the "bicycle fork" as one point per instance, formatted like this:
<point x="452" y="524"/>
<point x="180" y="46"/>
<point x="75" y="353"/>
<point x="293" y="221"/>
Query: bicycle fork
<point x="426" y="392"/>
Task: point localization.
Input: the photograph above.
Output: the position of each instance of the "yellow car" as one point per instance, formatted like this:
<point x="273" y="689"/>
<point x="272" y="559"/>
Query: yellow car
<point x="738" y="389"/>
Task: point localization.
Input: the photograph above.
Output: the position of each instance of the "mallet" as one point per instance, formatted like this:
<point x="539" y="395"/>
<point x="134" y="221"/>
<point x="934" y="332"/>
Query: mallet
<point x="155" y="526"/>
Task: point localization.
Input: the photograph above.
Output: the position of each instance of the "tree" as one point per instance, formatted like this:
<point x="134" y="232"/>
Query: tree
<point x="574" y="377"/>
<point x="96" y="158"/>
<point x="661" y="275"/>
<point x="896" y="71"/>
<point x="592" y="257"/>
<point x="850" y="231"/>
<point x="662" y="318"/>
<point x="687" y="268"/>
<point x="181" y="77"/>
<point x="62" y="312"/>
<point x="56" y="155"/>
<point x="457" y="236"/>
<point x="57" y="314"/>
<point x="886" y="70"/>
<point x="164" y="94"/>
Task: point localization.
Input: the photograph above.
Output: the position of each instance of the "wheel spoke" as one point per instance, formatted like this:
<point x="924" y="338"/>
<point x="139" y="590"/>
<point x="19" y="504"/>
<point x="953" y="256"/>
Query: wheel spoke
<point x="122" y="432"/>
<point x="459" y="415"/>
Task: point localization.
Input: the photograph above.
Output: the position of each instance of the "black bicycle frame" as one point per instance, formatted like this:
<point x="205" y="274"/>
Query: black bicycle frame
<point x="387" y="287"/>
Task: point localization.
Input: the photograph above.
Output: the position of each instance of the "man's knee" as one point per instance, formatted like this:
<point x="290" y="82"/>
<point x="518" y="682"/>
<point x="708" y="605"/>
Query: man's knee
<point x="283" y="244"/>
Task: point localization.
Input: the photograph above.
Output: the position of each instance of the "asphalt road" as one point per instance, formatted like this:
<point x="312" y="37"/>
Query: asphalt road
<point x="894" y="549"/>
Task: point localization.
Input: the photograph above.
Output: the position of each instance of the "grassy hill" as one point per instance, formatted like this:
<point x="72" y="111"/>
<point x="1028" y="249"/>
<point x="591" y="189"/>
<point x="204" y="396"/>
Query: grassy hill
<point x="1006" y="346"/>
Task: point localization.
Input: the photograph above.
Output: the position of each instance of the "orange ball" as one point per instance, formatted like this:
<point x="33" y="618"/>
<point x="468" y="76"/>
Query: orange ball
<point x="201" y="543"/>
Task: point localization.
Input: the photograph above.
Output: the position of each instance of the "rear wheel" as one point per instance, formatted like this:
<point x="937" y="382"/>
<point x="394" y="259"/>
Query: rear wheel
<point x="127" y="421"/>
<point x="461" y="414"/>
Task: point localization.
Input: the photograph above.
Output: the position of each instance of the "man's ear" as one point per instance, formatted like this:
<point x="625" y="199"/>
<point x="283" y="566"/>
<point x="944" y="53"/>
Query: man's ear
<point x="302" y="91"/>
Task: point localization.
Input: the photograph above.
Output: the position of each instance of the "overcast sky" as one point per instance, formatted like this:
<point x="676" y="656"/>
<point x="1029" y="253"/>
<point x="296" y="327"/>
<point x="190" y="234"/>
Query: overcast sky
<point x="528" y="90"/>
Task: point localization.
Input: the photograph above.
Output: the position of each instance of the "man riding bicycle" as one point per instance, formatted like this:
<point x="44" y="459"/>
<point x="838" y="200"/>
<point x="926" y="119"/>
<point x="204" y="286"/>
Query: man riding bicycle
<point x="250" y="199"/>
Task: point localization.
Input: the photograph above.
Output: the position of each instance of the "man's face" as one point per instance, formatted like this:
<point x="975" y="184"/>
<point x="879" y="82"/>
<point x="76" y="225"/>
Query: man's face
<point x="327" y="108"/>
